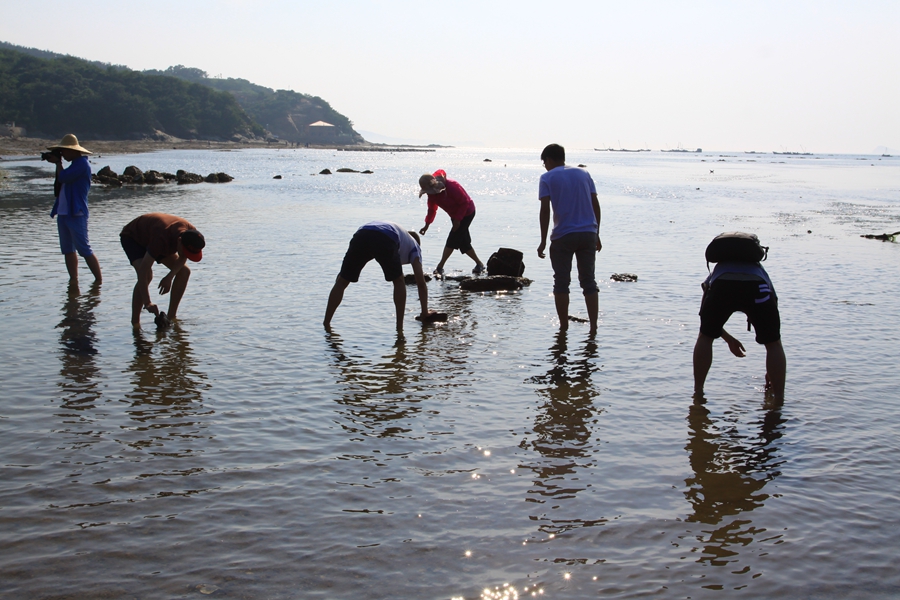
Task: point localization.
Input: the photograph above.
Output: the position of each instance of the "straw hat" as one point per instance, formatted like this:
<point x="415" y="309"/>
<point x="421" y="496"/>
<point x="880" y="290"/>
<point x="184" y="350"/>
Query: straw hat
<point x="70" y="142"/>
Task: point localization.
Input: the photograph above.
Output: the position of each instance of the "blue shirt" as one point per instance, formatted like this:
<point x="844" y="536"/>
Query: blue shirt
<point x="76" y="182"/>
<point x="408" y="248"/>
<point x="742" y="268"/>
<point x="569" y="189"/>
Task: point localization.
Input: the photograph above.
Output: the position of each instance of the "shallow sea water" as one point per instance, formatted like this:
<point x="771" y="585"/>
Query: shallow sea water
<point x="248" y="453"/>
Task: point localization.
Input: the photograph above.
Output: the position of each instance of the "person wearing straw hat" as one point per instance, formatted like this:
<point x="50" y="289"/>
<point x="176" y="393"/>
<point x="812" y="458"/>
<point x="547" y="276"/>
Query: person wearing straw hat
<point x="71" y="207"/>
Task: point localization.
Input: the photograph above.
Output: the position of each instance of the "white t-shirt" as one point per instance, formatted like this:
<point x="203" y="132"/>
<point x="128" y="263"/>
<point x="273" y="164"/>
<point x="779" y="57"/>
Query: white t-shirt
<point x="569" y="189"/>
<point x="409" y="249"/>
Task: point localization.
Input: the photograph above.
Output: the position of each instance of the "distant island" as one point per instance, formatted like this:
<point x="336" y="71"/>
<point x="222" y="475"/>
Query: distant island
<point x="46" y="95"/>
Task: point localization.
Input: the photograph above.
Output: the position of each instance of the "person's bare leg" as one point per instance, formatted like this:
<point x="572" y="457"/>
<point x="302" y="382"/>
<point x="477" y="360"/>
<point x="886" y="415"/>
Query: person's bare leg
<point x="592" y="302"/>
<point x="72" y="265"/>
<point x="179" y="285"/>
<point x="776" y="369"/>
<point x="562" y="310"/>
<point x="471" y="254"/>
<point x="334" y="299"/>
<point x="137" y="305"/>
<point x="137" y="302"/>
<point x="400" y="301"/>
<point x="448" y="251"/>
<point x="94" y="265"/>
<point x="703" y="357"/>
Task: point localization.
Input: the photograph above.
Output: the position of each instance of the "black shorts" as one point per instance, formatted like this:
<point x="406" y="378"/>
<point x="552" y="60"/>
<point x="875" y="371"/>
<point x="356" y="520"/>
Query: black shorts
<point x="460" y="239"/>
<point x="133" y="250"/>
<point x="753" y="298"/>
<point x="366" y="245"/>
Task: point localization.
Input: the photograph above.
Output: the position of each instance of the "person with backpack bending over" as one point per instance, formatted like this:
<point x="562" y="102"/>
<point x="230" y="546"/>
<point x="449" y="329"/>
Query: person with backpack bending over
<point x="739" y="283"/>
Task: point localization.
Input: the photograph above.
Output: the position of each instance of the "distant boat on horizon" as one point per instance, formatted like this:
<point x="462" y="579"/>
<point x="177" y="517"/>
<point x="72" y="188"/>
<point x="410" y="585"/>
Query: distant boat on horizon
<point x="683" y="150"/>
<point x="620" y="150"/>
<point x="794" y="153"/>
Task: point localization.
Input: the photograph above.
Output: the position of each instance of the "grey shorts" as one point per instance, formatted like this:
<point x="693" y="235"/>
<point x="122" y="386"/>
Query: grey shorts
<point x="583" y="246"/>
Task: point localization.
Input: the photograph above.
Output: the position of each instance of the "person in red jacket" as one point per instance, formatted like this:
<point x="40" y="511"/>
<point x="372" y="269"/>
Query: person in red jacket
<point x="449" y="195"/>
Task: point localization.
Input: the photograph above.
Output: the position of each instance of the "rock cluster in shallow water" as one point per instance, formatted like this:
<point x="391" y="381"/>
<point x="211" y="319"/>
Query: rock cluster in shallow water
<point x="134" y="176"/>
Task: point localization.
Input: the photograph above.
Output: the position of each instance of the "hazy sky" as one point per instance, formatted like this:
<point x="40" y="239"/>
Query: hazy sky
<point x="809" y="75"/>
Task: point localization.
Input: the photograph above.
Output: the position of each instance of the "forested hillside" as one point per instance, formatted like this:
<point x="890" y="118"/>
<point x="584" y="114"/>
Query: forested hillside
<point x="55" y="96"/>
<point x="285" y="113"/>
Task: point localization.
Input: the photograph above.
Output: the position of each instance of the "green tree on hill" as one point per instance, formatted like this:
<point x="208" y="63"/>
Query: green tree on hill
<point x="60" y="95"/>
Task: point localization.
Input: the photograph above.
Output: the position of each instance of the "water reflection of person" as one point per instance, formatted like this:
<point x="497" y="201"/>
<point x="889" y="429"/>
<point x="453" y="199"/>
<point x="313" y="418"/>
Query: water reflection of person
<point x="730" y="472"/>
<point x="78" y="350"/>
<point x="168" y="389"/>
<point x="378" y="398"/>
<point x="562" y="426"/>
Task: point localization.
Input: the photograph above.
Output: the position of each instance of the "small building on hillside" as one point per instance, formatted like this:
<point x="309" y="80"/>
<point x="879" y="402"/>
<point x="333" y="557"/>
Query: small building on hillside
<point x="321" y="132"/>
<point x="10" y="130"/>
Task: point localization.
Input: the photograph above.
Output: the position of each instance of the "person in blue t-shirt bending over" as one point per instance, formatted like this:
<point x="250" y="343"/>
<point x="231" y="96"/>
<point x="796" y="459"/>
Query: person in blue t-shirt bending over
<point x="392" y="247"/>
<point x="71" y="207"/>
<point x="744" y="287"/>
<point x="571" y="193"/>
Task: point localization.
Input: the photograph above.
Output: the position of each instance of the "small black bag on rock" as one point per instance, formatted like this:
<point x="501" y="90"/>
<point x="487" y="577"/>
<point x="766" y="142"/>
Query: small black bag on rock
<point x="506" y="261"/>
<point x="736" y="246"/>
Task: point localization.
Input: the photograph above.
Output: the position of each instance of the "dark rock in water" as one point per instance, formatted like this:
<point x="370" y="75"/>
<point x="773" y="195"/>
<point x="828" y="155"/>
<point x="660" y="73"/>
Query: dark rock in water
<point x="107" y="172"/>
<point x="623" y="277"/>
<point x="224" y="177"/>
<point x="884" y="237"/>
<point x="105" y="180"/>
<point x="162" y="321"/>
<point x="183" y="177"/>
<point x="168" y="176"/>
<point x="133" y="172"/>
<point x="410" y="279"/>
<point x="581" y="166"/>
<point x="493" y="283"/>
<point x="346" y="170"/>
<point x="128" y="179"/>
<point x="433" y="317"/>
<point x="324" y="172"/>
<point x="578" y="319"/>
<point x="277" y="177"/>
<point x="154" y="177"/>
<point x="367" y="172"/>
<point x="487" y="160"/>
<point x="211" y="178"/>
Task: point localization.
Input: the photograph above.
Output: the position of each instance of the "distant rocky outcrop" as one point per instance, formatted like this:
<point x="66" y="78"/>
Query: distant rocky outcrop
<point x="134" y="176"/>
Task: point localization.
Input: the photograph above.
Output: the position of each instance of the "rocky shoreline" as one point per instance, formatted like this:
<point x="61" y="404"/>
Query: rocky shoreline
<point x="11" y="147"/>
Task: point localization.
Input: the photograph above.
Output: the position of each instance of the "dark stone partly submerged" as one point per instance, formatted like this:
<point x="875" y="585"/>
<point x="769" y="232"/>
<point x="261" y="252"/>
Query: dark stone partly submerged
<point x="623" y="277"/>
<point x="493" y="283"/>
<point x="410" y="279"/>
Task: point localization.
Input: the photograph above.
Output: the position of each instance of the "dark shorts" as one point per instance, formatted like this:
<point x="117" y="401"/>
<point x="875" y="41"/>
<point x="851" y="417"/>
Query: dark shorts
<point x="753" y="298"/>
<point x="366" y="245"/>
<point x="583" y="246"/>
<point x="460" y="239"/>
<point x="133" y="250"/>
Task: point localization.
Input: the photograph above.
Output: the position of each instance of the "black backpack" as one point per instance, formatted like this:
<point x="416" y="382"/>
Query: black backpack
<point x="506" y="261"/>
<point x="736" y="246"/>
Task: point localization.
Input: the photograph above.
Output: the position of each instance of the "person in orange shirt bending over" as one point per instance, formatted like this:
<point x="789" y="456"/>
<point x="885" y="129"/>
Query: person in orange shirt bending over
<point x="165" y="239"/>
<point x="449" y="195"/>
